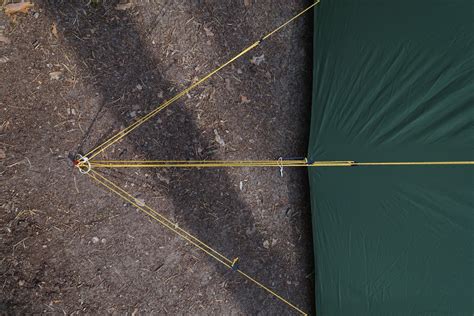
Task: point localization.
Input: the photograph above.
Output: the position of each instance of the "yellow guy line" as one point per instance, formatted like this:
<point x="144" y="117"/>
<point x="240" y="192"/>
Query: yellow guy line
<point x="413" y="163"/>
<point x="257" y="163"/>
<point x="199" y="164"/>
<point x="161" y="219"/>
<point x="100" y="148"/>
<point x="185" y="235"/>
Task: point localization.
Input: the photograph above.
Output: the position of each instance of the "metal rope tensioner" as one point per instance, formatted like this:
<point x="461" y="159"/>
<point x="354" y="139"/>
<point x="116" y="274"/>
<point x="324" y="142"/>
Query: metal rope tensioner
<point x="82" y="163"/>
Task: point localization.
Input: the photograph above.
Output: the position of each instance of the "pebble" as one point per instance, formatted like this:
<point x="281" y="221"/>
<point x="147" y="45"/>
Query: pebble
<point x="274" y="241"/>
<point x="218" y="138"/>
<point x="55" y="75"/>
<point x="257" y="60"/>
<point x="95" y="240"/>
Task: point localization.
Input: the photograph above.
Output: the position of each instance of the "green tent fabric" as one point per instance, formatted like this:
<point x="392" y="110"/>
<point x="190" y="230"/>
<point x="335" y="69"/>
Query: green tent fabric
<point x="393" y="81"/>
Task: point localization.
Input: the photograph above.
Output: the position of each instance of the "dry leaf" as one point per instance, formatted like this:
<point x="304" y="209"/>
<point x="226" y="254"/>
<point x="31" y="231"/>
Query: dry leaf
<point x="21" y="7"/>
<point x="123" y="6"/>
<point x="54" y="30"/>
<point x="55" y="75"/>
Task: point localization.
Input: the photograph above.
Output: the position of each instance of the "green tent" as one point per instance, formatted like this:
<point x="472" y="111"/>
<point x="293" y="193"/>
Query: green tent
<point x="393" y="81"/>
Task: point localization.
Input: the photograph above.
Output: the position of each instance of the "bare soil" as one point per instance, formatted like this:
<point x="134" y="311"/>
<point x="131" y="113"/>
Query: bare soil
<point x="73" y="73"/>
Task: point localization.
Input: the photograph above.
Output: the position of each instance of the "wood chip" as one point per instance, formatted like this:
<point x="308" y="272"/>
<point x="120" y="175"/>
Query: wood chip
<point x="208" y="32"/>
<point x="4" y="39"/>
<point x="257" y="60"/>
<point x="54" y="30"/>
<point x="244" y="99"/>
<point x="55" y="75"/>
<point x="21" y="7"/>
<point x="218" y="138"/>
<point x="123" y="6"/>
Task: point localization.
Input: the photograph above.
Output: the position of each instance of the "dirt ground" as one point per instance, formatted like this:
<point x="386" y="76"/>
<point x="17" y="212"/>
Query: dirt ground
<point x="73" y="73"/>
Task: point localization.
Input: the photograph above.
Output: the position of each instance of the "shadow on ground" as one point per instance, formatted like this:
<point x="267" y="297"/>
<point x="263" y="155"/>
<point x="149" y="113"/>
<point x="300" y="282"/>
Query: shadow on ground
<point x="111" y="50"/>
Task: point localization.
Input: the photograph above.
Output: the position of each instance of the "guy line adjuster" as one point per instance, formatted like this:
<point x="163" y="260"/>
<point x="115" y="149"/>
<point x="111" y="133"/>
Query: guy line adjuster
<point x="82" y="163"/>
<point x="235" y="264"/>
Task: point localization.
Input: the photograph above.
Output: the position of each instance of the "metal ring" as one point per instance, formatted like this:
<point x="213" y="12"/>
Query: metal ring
<point x="83" y="161"/>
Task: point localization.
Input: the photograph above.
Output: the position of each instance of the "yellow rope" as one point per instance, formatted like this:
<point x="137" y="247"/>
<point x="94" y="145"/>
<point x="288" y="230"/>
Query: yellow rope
<point x="161" y="219"/>
<point x="414" y="163"/>
<point x="290" y="20"/>
<point x="199" y="164"/>
<point x="184" y="234"/>
<point x="257" y="163"/>
<point x="109" y="142"/>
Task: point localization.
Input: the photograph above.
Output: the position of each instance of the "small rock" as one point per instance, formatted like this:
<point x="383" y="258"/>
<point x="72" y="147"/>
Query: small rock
<point x="3" y="155"/>
<point x="36" y="15"/>
<point x="266" y="244"/>
<point x="21" y="283"/>
<point x="247" y="3"/>
<point x="208" y="32"/>
<point x="55" y="75"/>
<point x="274" y="241"/>
<point x="139" y="87"/>
<point x="95" y="240"/>
<point x="133" y="114"/>
<point x="103" y="240"/>
<point x="257" y="60"/>
<point x="218" y="138"/>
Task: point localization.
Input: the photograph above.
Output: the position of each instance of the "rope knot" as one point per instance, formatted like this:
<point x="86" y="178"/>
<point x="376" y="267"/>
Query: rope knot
<point x="82" y="163"/>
